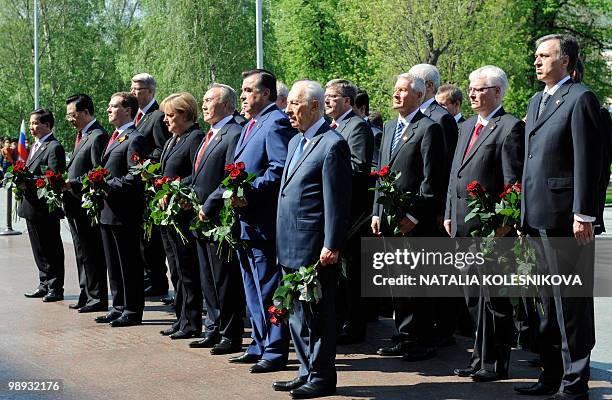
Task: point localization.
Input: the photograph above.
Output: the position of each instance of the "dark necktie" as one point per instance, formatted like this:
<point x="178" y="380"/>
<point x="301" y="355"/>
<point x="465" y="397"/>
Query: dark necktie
<point x="112" y="139"/>
<point x="209" y="136"/>
<point x="397" y="134"/>
<point x="296" y="155"/>
<point x="79" y="136"/>
<point x="543" y="102"/>
<point x="477" y="130"/>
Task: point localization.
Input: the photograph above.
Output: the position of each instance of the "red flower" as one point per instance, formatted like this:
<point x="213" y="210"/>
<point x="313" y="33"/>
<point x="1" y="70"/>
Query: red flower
<point x="274" y="320"/>
<point x="374" y="173"/>
<point x="240" y="165"/>
<point x="135" y="158"/>
<point x="229" y="167"/>
<point x="176" y="178"/>
<point x="517" y="187"/>
<point x="19" y="166"/>
<point x="49" y="173"/>
<point x="384" y="171"/>
<point x="475" y="189"/>
<point x="235" y="173"/>
<point x="40" y="183"/>
<point x="271" y="309"/>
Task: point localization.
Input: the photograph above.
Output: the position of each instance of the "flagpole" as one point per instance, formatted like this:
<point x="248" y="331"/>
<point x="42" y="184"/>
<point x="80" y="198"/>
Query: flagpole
<point x="259" y="33"/>
<point x="35" y="54"/>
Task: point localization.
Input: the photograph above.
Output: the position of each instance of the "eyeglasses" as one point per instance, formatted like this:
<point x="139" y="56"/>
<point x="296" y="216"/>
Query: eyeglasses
<point x="72" y="116"/>
<point x="480" y="89"/>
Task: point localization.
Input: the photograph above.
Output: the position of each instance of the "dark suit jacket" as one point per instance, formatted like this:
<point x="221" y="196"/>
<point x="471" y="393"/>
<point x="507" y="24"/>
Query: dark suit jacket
<point x="211" y="170"/>
<point x="124" y="203"/>
<point x="154" y="130"/>
<point x="358" y="134"/>
<point x="178" y="160"/>
<point x="562" y="158"/>
<point x="313" y="206"/>
<point x="263" y="152"/>
<point x="606" y="129"/>
<point x="85" y="157"/>
<point x="450" y="134"/>
<point x="377" y="140"/>
<point x="418" y="156"/>
<point x="50" y="154"/>
<point x="496" y="159"/>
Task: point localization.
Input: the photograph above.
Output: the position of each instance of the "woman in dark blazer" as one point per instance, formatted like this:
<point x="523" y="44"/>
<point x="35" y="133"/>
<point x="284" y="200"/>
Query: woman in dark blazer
<point x="177" y="161"/>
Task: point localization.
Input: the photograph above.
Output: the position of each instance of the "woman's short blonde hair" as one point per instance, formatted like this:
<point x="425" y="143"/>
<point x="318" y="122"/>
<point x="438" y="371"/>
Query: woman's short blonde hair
<point x="183" y="103"/>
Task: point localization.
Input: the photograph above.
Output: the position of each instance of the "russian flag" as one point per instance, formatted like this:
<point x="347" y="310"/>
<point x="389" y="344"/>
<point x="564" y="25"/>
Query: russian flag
<point x="22" y="152"/>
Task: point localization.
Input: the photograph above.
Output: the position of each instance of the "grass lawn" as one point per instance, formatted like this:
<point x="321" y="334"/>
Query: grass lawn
<point x="609" y="197"/>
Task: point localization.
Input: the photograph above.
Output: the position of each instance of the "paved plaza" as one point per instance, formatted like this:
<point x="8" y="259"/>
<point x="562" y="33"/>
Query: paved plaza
<point x="40" y="341"/>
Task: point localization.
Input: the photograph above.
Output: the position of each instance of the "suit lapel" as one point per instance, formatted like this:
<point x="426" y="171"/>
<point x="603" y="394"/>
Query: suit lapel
<point x="258" y="124"/>
<point x="39" y="151"/>
<point x="313" y="143"/>
<point x="211" y="146"/>
<point x="407" y="135"/>
<point x="387" y="139"/>
<point x="486" y="132"/>
<point x="465" y="141"/>
<point x="117" y="141"/>
<point x="78" y="148"/>
<point x="341" y="126"/>
<point x="553" y="104"/>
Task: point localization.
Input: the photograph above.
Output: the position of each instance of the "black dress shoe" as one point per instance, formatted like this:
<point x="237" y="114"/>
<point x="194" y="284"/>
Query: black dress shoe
<point x="76" y="306"/>
<point x="345" y="338"/>
<point x="226" y="346"/>
<point x="107" y="318"/>
<point x="205" y="343"/>
<point x="245" y="358"/>
<point x="36" y="294"/>
<point x="538" y="389"/>
<point x="489" y="376"/>
<point x="419" y="354"/>
<point x="168" y="300"/>
<point x="125" y="320"/>
<point x="184" y="335"/>
<point x="264" y="366"/>
<point x="310" y="391"/>
<point x="569" y="396"/>
<point x="169" y="331"/>
<point x="152" y="291"/>
<point x="286" y="386"/>
<point x="396" y="349"/>
<point x="465" y="372"/>
<point x="53" y="296"/>
<point x="93" y="308"/>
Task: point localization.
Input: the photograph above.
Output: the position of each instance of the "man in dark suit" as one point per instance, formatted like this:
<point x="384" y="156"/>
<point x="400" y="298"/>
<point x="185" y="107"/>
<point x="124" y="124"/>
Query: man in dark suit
<point x="450" y="97"/>
<point x="44" y="227"/>
<point x="413" y="145"/>
<point x="362" y="109"/>
<point x="150" y="123"/>
<point x="263" y="148"/>
<point x="491" y="151"/>
<point x="121" y="215"/>
<point x="560" y="199"/>
<point x="89" y="144"/>
<point x="339" y="101"/>
<point x="314" y="214"/>
<point x="221" y="280"/>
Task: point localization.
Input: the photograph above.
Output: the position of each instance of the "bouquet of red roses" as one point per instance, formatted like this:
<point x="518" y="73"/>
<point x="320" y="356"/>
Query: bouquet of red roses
<point x="17" y="177"/>
<point x="49" y="187"/>
<point x="95" y="187"/>
<point x="396" y="203"/>
<point x="236" y="180"/>
<point x="147" y="171"/>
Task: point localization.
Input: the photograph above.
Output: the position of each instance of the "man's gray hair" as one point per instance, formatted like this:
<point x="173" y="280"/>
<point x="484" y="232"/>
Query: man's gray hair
<point x="416" y="82"/>
<point x="493" y="75"/>
<point x="345" y="87"/>
<point x="311" y="91"/>
<point x="146" y="79"/>
<point x="428" y="73"/>
<point x="228" y="94"/>
<point x="281" y="90"/>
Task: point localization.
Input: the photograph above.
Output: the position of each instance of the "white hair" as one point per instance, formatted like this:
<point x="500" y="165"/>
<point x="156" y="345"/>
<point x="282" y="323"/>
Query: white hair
<point x="493" y="75"/>
<point x="228" y="94"/>
<point x="311" y="90"/>
<point x="281" y="90"/>
<point x="428" y="73"/>
<point x="416" y="82"/>
<point x="146" y="79"/>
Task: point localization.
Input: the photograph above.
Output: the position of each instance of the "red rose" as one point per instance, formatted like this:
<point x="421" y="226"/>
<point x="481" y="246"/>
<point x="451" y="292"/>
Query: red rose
<point x="384" y="171"/>
<point x="271" y="309"/>
<point x="229" y="167"/>
<point x="235" y="173"/>
<point x="274" y="320"/>
<point x="135" y="157"/>
<point x="475" y="189"/>
<point x="240" y="165"/>
<point x="374" y="173"/>
<point x="49" y="173"/>
<point x="517" y="187"/>
<point x="281" y="312"/>
<point x="40" y="183"/>
<point x="19" y="166"/>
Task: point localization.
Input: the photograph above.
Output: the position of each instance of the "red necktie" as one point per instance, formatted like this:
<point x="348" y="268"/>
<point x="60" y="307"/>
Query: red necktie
<point x="79" y="136"/>
<point x="333" y="125"/>
<point x="477" y="130"/>
<point x="138" y="118"/>
<point x="209" y="136"/>
<point x="251" y="123"/>
<point x="112" y="139"/>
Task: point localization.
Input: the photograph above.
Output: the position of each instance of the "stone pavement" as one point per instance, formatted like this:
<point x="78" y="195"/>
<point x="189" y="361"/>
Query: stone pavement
<point x="40" y="341"/>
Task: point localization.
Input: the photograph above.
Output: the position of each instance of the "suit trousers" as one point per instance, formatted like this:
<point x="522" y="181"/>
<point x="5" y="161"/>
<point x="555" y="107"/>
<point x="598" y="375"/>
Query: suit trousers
<point x="183" y="253"/>
<point x="174" y="276"/>
<point x="125" y="271"/>
<point x="48" y="252"/>
<point x="89" y="255"/>
<point x="154" y="261"/>
<point x="494" y="334"/>
<point x="261" y="276"/>
<point x="223" y="292"/>
<point x="313" y="331"/>
<point x="566" y="333"/>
